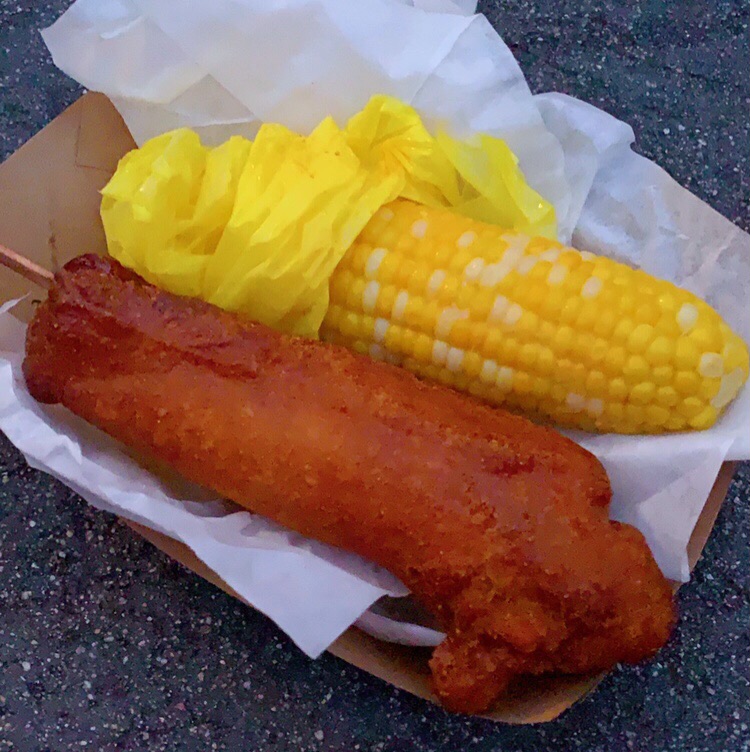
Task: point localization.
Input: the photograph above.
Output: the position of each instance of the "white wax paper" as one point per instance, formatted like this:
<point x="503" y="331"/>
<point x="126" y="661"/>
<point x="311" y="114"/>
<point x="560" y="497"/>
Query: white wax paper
<point x="223" y="67"/>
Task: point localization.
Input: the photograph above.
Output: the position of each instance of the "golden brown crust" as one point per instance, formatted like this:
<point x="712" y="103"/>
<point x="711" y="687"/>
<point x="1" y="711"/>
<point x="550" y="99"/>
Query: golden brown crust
<point x="498" y="526"/>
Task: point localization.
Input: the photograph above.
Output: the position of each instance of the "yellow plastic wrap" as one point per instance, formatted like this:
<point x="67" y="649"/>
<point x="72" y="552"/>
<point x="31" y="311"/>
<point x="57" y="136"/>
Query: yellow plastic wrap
<point x="259" y="227"/>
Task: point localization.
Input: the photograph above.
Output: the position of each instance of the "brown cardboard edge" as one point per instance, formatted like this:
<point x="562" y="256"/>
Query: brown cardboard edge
<point x="80" y="135"/>
<point x="707" y="518"/>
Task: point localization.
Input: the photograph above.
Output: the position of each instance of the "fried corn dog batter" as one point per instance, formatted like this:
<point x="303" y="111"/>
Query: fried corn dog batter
<point x="499" y="527"/>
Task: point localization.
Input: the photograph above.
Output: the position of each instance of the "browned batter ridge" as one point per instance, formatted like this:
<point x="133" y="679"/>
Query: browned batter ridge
<point x="499" y="527"/>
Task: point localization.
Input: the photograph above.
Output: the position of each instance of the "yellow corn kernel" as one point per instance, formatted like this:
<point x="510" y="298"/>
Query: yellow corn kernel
<point x="558" y="393"/>
<point x="687" y="382"/>
<point x="622" y="330"/>
<point x="666" y="396"/>
<point x="614" y="361"/>
<point x="482" y="300"/>
<point x="706" y="337"/>
<point x="710" y="388"/>
<point x="675" y="422"/>
<point x="704" y="419"/>
<point x="583" y="346"/>
<point x="570" y="310"/>
<point x="604" y="324"/>
<point x="635" y="414"/>
<point x="360" y="347"/>
<point x="449" y="290"/>
<point x="423" y="348"/>
<point x="687" y="354"/>
<point x="627" y="303"/>
<point x="648" y="312"/>
<point x="528" y="355"/>
<point x="581" y="340"/>
<point x="661" y="351"/>
<point x="618" y="389"/>
<point x="663" y="375"/>
<point x="385" y="301"/>
<point x="393" y="340"/>
<point x="599" y="350"/>
<point x="472" y="364"/>
<point x="461" y="334"/>
<point x="640" y="338"/>
<point x="656" y="415"/>
<point x="492" y="342"/>
<point x="540" y="387"/>
<point x="355" y="293"/>
<point x="690" y="407"/>
<point x="735" y="356"/>
<point x="587" y="316"/>
<point x="614" y="413"/>
<point x="642" y="393"/>
<point x="596" y="384"/>
<point x="510" y="351"/>
<point x="545" y="361"/>
<point x="564" y="339"/>
<point x="636" y="368"/>
<point x="523" y="383"/>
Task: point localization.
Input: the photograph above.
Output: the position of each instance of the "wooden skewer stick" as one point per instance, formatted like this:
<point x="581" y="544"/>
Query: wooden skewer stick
<point x="26" y="268"/>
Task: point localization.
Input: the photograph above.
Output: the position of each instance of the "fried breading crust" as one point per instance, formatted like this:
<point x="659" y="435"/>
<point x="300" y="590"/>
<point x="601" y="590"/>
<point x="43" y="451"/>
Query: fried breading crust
<point x="499" y="527"/>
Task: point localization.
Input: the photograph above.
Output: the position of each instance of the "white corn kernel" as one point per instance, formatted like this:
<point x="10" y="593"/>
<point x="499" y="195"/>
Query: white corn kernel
<point x="595" y="407"/>
<point x="493" y="274"/>
<point x="728" y="388"/>
<point x="517" y="244"/>
<point x="513" y="314"/>
<point x="575" y="401"/>
<point x="446" y="320"/>
<point x="526" y="264"/>
<point x="399" y="305"/>
<point x="488" y="372"/>
<point x="370" y="296"/>
<point x="436" y="281"/>
<point x="380" y="330"/>
<point x="373" y="262"/>
<point x="419" y="228"/>
<point x="504" y="377"/>
<point x="687" y="316"/>
<point x="551" y="255"/>
<point x="711" y="365"/>
<point x="591" y="287"/>
<point x="557" y="274"/>
<point x="466" y="239"/>
<point x="474" y="269"/>
<point x="497" y="312"/>
<point x="455" y="359"/>
<point x="439" y="352"/>
<point x="377" y="352"/>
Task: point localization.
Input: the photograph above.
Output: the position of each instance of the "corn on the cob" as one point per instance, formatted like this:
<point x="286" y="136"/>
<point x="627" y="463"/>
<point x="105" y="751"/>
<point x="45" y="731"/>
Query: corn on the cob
<point x="533" y="325"/>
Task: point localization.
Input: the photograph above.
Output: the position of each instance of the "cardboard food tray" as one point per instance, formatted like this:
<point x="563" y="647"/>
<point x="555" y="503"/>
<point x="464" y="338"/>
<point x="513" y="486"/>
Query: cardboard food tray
<point x="49" y="212"/>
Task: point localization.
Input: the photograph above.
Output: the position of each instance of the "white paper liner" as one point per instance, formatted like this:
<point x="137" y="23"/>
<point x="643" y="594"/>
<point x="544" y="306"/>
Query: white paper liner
<point x="224" y="66"/>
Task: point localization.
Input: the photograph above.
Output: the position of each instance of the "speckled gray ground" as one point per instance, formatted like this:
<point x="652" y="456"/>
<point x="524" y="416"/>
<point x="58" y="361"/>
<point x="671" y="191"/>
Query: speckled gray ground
<point x="106" y="644"/>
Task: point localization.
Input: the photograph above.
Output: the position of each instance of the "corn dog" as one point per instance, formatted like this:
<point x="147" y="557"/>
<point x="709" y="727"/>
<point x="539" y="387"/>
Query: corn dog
<point x="499" y="527"/>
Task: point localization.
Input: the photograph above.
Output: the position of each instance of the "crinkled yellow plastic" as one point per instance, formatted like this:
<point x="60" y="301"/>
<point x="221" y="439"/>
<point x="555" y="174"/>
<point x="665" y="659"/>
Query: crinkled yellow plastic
<point x="259" y="226"/>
